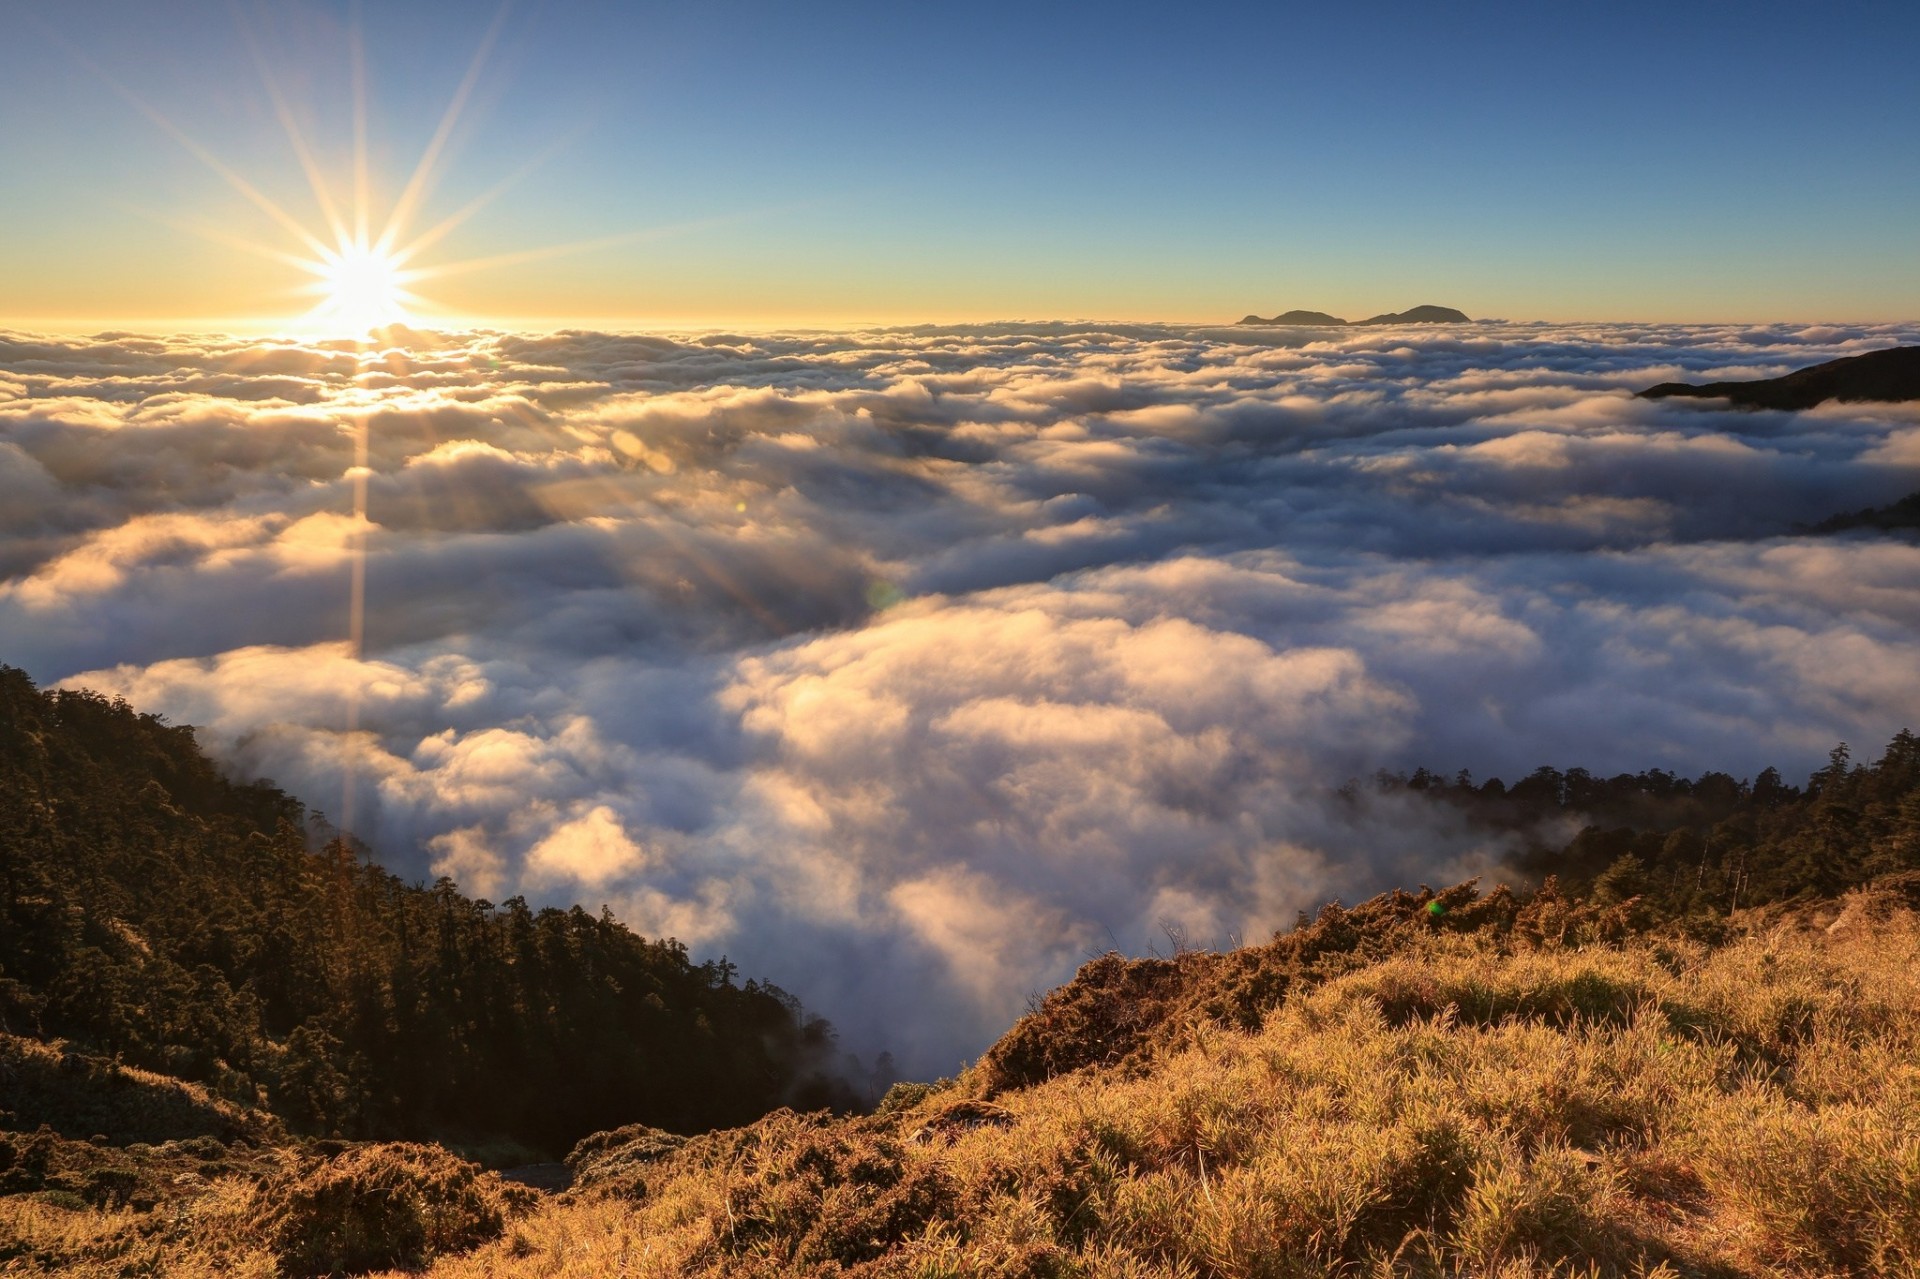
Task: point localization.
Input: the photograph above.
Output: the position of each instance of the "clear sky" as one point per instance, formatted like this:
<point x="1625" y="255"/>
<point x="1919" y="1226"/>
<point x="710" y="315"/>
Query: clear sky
<point x="848" y="162"/>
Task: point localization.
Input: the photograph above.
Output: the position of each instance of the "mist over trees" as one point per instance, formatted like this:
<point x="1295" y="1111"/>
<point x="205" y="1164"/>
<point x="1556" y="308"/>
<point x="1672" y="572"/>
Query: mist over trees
<point x="158" y="912"/>
<point x="1702" y="847"/>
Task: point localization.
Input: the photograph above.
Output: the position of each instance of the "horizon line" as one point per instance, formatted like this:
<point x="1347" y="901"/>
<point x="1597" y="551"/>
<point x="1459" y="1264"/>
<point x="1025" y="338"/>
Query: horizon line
<point x="281" y="326"/>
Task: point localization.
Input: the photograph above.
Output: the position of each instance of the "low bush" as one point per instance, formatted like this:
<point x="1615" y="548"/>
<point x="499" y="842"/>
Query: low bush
<point x="616" y="1162"/>
<point x="381" y="1207"/>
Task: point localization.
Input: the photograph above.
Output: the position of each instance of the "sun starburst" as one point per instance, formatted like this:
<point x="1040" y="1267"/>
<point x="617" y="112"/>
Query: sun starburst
<point x="360" y="266"/>
<point x="361" y="286"/>
<point x="359" y="274"/>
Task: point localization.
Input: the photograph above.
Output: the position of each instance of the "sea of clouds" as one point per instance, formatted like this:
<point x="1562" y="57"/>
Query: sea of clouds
<point x="912" y="667"/>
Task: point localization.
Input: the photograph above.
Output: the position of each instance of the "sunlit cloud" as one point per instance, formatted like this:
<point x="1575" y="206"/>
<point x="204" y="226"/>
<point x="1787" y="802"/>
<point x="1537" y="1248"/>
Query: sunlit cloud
<point x="907" y="667"/>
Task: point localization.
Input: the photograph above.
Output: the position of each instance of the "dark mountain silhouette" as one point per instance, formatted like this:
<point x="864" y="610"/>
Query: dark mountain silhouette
<point x="1420" y="315"/>
<point x="1417" y="315"/>
<point x="1900" y="516"/>
<point x="1889" y="375"/>
<point x="1309" y="318"/>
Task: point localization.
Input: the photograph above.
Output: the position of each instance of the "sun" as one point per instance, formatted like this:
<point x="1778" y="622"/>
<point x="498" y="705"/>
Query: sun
<point x="360" y="268"/>
<point x="361" y="286"/>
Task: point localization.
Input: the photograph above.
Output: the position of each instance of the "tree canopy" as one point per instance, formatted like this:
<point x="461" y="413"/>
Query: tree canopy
<point x="160" y="912"/>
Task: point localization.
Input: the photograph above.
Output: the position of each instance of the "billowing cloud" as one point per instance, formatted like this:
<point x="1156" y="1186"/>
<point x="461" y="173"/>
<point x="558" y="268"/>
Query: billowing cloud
<point x="910" y="667"/>
<point x="591" y="850"/>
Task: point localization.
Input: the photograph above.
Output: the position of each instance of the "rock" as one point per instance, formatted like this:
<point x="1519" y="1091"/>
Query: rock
<point x="550" y="1177"/>
<point x="962" y="1117"/>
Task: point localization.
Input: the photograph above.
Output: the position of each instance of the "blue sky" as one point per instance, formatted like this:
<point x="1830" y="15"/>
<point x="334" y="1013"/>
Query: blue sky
<point x="860" y="162"/>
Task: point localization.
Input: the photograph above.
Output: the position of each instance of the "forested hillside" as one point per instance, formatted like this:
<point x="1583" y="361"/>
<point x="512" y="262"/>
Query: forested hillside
<point x="159" y="913"/>
<point x="1699" y="848"/>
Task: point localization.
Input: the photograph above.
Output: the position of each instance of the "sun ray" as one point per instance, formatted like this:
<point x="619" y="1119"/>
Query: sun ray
<point x="417" y="185"/>
<point x="281" y="108"/>
<point x="357" y="57"/>
<point x="232" y="241"/>
<point x="446" y="226"/>
<point x="252" y="193"/>
<point x="361" y="280"/>
<point x="518" y="256"/>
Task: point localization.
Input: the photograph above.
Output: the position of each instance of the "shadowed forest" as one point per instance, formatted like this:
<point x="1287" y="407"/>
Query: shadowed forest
<point x="167" y="918"/>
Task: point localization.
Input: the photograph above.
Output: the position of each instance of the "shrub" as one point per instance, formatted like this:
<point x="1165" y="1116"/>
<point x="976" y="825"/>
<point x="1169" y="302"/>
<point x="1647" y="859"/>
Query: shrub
<point x="806" y="1194"/>
<point x="904" y="1096"/>
<point x="378" y="1207"/>
<point x="615" y="1162"/>
<point x="69" y="1200"/>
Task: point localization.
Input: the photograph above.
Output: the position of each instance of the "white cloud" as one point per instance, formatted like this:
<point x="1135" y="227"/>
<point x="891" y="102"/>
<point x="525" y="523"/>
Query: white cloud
<point x="910" y="666"/>
<point x="592" y="850"/>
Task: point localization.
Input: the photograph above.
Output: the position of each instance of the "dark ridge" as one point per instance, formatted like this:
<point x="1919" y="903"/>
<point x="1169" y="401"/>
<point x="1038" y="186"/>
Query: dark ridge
<point x="1420" y="315"/>
<point x="1302" y="318"/>
<point x="1320" y="319"/>
<point x="1887" y="376"/>
<point x="1896" y="517"/>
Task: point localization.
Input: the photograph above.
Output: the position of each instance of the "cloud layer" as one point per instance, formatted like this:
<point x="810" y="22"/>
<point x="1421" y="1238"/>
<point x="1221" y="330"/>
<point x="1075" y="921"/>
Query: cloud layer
<point x="909" y="667"/>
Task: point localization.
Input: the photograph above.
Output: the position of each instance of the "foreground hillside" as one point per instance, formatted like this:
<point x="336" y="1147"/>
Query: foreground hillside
<point x="1695" y="1049"/>
<point x="1490" y="1090"/>
<point x="1464" y="1105"/>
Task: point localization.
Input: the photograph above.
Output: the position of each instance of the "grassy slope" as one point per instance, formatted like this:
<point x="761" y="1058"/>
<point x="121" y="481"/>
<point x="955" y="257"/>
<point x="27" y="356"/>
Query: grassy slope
<point x="1460" y="1107"/>
<point x="1501" y="1099"/>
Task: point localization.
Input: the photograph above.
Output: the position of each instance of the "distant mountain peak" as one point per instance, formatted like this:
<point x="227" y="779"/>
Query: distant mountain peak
<point x="1421" y="315"/>
<point x="1320" y="319"/>
<point x="1298" y="317"/>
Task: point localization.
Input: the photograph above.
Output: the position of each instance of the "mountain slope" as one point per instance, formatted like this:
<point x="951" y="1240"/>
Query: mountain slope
<point x="1419" y="315"/>
<point x="1895" y="517"/>
<point x="1306" y="318"/>
<point x="1466" y="1103"/>
<point x="1643" y="1073"/>
<point x="1889" y="375"/>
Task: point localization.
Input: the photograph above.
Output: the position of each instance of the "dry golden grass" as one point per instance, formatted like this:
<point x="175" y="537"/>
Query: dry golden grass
<point x="82" y="1094"/>
<point x="1656" y="1109"/>
<point x="1751" y="1110"/>
<point x="367" y="1207"/>
<point x="201" y="1237"/>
